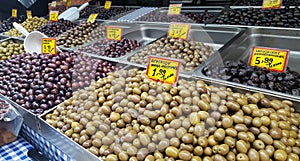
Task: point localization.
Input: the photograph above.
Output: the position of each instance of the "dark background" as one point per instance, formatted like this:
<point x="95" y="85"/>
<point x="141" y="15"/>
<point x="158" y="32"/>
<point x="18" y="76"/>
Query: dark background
<point x="39" y="8"/>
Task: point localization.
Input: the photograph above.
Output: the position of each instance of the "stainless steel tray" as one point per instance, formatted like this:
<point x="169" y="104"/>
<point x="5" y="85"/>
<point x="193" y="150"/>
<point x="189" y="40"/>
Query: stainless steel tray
<point x="3" y="37"/>
<point x="142" y="33"/>
<point x="216" y="10"/>
<point x="240" y="49"/>
<point x="213" y="36"/>
<point x="30" y="119"/>
<point x="77" y="152"/>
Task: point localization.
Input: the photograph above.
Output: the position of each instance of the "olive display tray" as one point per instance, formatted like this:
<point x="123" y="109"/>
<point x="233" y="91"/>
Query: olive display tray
<point x="77" y="152"/>
<point x="143" y="34"/>
<point x="216" y="10"/>
<point x="240" y="49"/>
<point x="212" y="36"/>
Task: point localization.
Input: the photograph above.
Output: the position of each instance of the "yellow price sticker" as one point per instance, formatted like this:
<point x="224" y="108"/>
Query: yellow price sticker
<point x="267" y="4"/>
<point x="53" y="16"/>
<point x="177" y="30"/>
<point x="163" y="70"/>
<point x="49" y="46"/>
<point x="92" y="17"/>
<point x="113" y="33"/>
<point x="273" y="59"/>
<point x="69" y="3"/>
<point x="29" y="14"/>
<point x="107" y="5"/>
<point x="174" y="9"/>
<point x="14" y="12"/>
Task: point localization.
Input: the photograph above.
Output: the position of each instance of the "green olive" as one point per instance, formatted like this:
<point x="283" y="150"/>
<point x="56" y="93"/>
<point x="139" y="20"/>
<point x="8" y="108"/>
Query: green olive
<point x="253" y="155"/>
<point x="241" y="146"/>
<point x="242" y="157"/>
<point x="172" y="152"/>
<point x="280" y="155"/>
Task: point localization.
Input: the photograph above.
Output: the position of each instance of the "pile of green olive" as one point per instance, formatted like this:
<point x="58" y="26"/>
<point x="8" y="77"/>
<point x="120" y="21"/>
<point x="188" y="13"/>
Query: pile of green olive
<point x="30" y="25"/>
<point x="10" y="48"/>
<point x="127" y="116"/>
<point x="191" y="53"/>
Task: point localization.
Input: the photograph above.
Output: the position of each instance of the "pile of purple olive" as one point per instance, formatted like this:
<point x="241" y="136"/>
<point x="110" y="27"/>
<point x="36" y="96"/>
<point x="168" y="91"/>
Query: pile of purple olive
<point x="38" y="82"/>
<point x="113" y="49"/>
<point x="53" y="29"/>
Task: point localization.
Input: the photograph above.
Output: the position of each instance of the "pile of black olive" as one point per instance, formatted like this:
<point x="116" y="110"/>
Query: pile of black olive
<point x="38" y="82"/>
<point x="240" y="72"/>
<point x="113" y="49"/>
<point x="285" y="17"/>
<point x="260" y="2"/>
<point x="7" y="24"/>
<point x="199" y="17"/>
<point x="187" y="17"/>
<point x="53" y="29"/>
<point x="105" y="14"/>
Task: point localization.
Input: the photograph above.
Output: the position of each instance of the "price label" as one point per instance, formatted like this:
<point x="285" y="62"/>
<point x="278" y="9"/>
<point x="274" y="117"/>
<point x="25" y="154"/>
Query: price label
<point x="272" y="4"/>
<point x="69" y="3"/>
<point x="174" y="9"/>
<point x="14" y="12"/>
<point x="53" y="4"/>
<point x="177" y="30"/>
<point x="113" y="33"/>
<point x="92" y="17"/>
<point x="53" y="16"/>
<point x="107" y="5"/>
<point x="163" y="69"/>
<point x="29" y="14"/>
<point x="273" y="59"/>
<point x="49" y="46"/>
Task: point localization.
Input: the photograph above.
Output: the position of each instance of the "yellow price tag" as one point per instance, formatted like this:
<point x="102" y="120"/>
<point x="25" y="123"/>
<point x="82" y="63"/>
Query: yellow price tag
<point x="14" y="12"/>
<point x="113" y="33"/>
<point x="163" y="70"/>
<point x="49" y="46"/>
<point x="273" y="59"/>
<point x="92" y="17"/>
<point x="272" y="4"/>
<point x="53" y="16"/>
<point x="107" y="5"/>
<point x="177" y="30"/>
<point x="174" y="9"/>
<point x="53" y="4"/>
<point x="29" y="14"/>
<point x="69" y="3"/>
